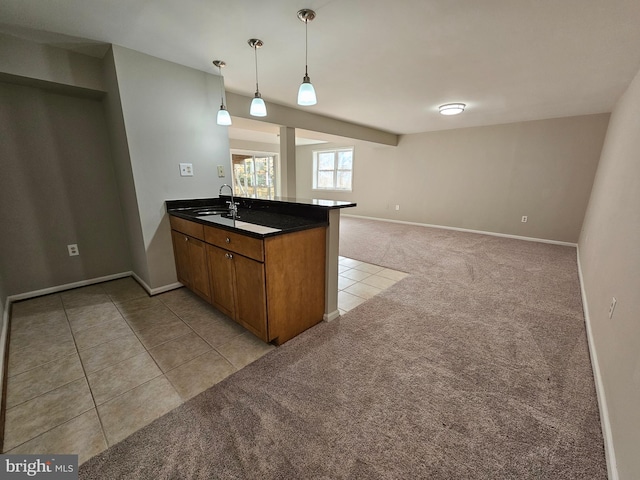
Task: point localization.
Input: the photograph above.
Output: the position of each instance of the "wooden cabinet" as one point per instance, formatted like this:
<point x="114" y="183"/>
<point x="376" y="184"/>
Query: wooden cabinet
<point x="274" y="287"/>
<point x="191" y="260"/>
<point x="238" y="289"/>
<point x="222" y="275"/>
<point x="181" y="254"/>
<point x="295" y="274"/>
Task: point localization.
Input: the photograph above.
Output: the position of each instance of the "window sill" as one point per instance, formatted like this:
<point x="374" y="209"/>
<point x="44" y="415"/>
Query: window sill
<point x="331" y="190"/>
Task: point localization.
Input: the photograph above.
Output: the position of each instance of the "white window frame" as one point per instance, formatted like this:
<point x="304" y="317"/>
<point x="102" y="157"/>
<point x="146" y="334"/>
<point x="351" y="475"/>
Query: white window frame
<point x="335" y="152"/>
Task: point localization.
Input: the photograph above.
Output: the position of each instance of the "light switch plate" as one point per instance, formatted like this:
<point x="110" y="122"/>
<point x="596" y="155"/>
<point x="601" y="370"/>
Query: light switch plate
<point x="220" y="170"/>
<point x="186" y="169"/>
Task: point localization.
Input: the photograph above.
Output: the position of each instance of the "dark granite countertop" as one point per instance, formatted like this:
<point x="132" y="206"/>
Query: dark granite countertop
<point x="258" y="218"/>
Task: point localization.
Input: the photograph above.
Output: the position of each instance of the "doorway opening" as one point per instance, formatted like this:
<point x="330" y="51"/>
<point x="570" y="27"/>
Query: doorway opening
<point x="254" y="174"/>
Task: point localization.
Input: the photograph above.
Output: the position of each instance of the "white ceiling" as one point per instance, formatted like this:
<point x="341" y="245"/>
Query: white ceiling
<point x="376" y="62"/>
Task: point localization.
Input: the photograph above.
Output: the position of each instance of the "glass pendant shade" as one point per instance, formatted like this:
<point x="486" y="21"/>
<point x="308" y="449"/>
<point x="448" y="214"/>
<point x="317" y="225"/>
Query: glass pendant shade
<point x="306" y="93"/>
<point x="223" y="116"/>
<point x="258" y="107"/>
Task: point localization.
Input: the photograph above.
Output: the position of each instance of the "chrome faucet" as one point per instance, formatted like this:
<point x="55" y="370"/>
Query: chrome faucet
<point x="233" y="206"/>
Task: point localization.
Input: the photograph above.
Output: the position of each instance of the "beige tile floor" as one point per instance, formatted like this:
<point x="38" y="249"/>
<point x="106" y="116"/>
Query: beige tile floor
<point x="90" y="366"/>
<point x="359" y="281"/>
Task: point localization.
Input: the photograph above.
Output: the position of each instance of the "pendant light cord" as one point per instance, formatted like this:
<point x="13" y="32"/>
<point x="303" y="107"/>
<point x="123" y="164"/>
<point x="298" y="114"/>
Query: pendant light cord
<point x="255" y="51"/>
<point x="306" y="47"/>
<point x="221" y="87"/>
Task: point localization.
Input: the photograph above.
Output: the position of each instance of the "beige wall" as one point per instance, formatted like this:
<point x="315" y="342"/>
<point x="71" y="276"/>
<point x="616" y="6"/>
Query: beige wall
<point x="123" y="170"/>
<point x="3" y="295"/>
<point x="609" y="251"/>
<point x="34" y="61"/>
<point x="483" y="178"/>
<point x="169" y="115"/>
<point x="57" y="187"/>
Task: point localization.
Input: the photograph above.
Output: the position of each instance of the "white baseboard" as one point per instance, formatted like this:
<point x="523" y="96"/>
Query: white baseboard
<point x="4" y="336"/>
<point x="481" y="232"/>
<point x="84" y="283"/>
<point x="67" y="286"/>
<point x="328" y="317"/>
<point x="612" y="468"/>
<point x="155" y="291"/>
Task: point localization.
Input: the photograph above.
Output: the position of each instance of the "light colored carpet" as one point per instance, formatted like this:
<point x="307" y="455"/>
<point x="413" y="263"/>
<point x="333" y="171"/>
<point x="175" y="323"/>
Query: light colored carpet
<point x="476" y="366"/>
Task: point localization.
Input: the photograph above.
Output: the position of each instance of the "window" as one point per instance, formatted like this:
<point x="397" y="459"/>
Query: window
<point x="333" y="169"/>
<point x="254" y="175"/>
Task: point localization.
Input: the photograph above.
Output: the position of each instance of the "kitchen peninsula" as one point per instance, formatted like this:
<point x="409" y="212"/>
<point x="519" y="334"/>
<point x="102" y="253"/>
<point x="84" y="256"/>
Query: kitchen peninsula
<point x="271" y="265"/>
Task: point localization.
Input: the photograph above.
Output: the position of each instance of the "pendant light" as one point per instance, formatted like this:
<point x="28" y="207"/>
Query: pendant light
<point x="258" y="107"/>
<point x="306" y="93"/>
<point x="223" y="115"/>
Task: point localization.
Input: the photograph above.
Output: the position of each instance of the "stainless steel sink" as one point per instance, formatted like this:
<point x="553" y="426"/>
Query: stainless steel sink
<point x="212" y="211"/>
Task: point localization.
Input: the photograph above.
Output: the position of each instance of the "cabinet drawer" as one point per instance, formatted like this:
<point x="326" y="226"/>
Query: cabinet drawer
<point x="192" y="229"/>
<point x="234" y="242"/>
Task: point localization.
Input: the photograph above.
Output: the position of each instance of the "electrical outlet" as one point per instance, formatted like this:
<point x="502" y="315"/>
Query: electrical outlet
<point x="73" y="250"/>
<point x="220" y="170"/>
<point x="397" y="207"/>
<point x="186" y="169"/>
<point x="524" y="219"/>
<point x="612" y="307"/>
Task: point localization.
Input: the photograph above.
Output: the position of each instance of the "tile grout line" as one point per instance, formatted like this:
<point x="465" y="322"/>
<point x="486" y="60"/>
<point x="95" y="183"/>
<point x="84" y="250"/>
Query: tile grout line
<point x="54" y="427"/>
<point x="48" y="391"/>
<point x="28" y="346"/>
<point x="236" y="369"/>
<point x="86" y="377"/>
<point x="356" y="282"/>
<point x="198" y="356"/>
<point x="162" y="373"/>
<point x="204" y="340"/>
<point x="60" y="386"/>
<point x="40" y="366"/>
<point x="129" y="390"/>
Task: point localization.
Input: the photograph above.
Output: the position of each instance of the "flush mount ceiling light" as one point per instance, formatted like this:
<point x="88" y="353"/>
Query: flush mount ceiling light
<point x="258" y="107"/>
<point x="451" y="108"/>
<point x="223" y="115"/>
<point x="306" y="93"/>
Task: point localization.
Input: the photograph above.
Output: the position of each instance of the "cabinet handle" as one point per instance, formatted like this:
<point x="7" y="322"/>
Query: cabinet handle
<point x="186" y="239"/>
<point x="228" y="240"/>
<point x="228" y="255"/>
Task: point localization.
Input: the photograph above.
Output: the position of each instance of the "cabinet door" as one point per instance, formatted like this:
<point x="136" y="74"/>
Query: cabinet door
<point x="251" y="303"/>
<point x="222" y="280"/>
<point x="198" y="271"/>
<point x="181" y="254"/>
